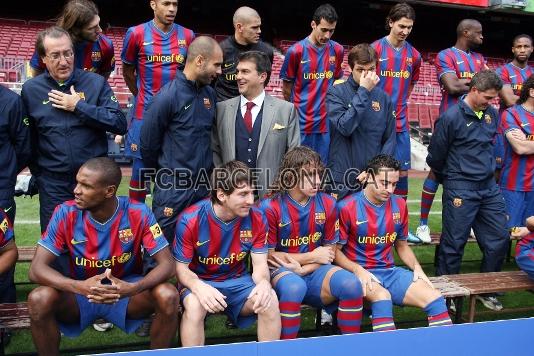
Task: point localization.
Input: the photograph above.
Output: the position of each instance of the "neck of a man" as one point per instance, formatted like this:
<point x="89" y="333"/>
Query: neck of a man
<point x="240" y="39"/>
<point x="529" y="105"/>
<point x="190" y="72"/>
<point x="470" y="103"/>
<point x="223" y="213"/>
<point x="394" y="42"/>
<point x="298" y="196"/>
<point x="519" y="64"/>
<point x="163" y="27"/>
<point x="253" y="94"/>
<point x="461" y="44"/>
<point x="105" y="211"/>
<point x="371" y="197"/>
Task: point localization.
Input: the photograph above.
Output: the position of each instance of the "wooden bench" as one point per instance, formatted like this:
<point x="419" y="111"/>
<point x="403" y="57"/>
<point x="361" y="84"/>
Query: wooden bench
<point x="13" y="316"/>
<point x="26" y="253"/>
<point x="491" y="282"/>
<point x="451" y="290"/>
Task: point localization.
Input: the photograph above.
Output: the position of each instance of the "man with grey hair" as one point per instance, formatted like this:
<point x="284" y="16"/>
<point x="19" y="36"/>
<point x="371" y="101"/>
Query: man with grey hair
<point x="247" y="25"/>
<point x="176" y="133"/>
<point x="69" y="112"/>
<point x="461" y="150"/>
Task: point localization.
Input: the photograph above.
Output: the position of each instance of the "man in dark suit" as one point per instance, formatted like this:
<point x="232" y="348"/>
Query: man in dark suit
<point x="254" y="127"/>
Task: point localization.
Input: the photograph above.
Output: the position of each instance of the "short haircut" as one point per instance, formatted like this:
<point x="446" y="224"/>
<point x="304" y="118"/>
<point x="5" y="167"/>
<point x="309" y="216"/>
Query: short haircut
<point x="518" y="37"/>
<point x="399" y="11"/>
<point x="109" y="171"/>
<point x="486" y="80"/>
<point x="52" y="32"/>
<point x="262" y="61"/>
<point x="362" y="53"/>
<point x="326" y="12"/>
<point x="244" y="14"/>
<point x="383" y="161"/>
<point x="289" y="172"/>
<point x="76" y="15"/>
<point x="229" y="177"/>
<point x="525" y="90"/>
<point x="203" y="46"/>
<point x="466" y="25"/>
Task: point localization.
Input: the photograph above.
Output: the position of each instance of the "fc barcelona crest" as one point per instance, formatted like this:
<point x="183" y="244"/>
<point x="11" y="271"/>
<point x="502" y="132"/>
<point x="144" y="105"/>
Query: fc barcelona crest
<point x="487" y="118"/>
<point x="457" y="202"/>
<point x="125" y="236"/>
<point x="245" y="236"/>
<point x="375" y="105"/>
<point x="409" y="61"/>
<point x="396" y="218"/>
<point x="182" y="43"/>
<point x="168" y="211"/>
<point x="96" y="56"/>
<point x="133" y="147"/>
<point x="320" y="218"/>
<point x="332" y="59"/>
<point x="207" y="103"/>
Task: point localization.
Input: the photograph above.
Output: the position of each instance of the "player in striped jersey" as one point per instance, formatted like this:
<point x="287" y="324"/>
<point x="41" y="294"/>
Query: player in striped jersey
<point x="93" y="51"/>
<point x="303" y="231"/>
<point x="398" y="69"/>
<point x="371" y="223"/>
<point x="104" y="236"/>
<point x="212" y="241"/>
<point x="310" y="67"/>
<point x="524" y="250"/>
<point x="513" y="75"/>
<point x="455" y="67"/>
<point x="8" y="249"/>
<point x="517" y="180"/>
<point x="152" y="53"/>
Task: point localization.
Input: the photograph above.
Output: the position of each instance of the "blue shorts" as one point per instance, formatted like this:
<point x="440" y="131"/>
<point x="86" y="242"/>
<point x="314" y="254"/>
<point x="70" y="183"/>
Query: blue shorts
<point x="113" y="313"/>
<point x="498" y="150"/>
<point x="319" y="142"/>
<point x="132" y="142"/>
<point x="314" y="284"/>
<point x="525" y="260"/>
<point x="396" y="280"/>
<point x="519" y="206"/>
<point x="236" y="292"/>
<point x="402" y="150"/>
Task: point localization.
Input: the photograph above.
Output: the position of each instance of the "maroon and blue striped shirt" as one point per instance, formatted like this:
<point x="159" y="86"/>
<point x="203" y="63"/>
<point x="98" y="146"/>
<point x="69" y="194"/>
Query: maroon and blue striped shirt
<point x="6" y="229"/>
<point x="216" y="250"/>
<point x="368" y="232"/>
<point x="463" y="64"/>
<point x="156" y="56"/>
<point x="93" y="247"/>
<point x="312" y="70"/>
<point x="517" y="170"/>
<point x="398" y="69"/>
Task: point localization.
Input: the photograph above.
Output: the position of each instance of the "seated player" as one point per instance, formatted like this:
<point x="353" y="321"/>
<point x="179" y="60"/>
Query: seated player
<point x="302" y="237"/>
<point x="524" y="250"/>
<point x="371" y="222"/>
<point x="104" y="236"/>
<point x="8" y="249"/>
<point x="213" y="239"/>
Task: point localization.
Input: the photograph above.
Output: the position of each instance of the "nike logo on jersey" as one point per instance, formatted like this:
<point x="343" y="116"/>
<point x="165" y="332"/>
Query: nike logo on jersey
<point x="282" y="224"/>
<point x="306" y="61"/>
<point x="360" y="222"/>
<point x="8" y="209"/>
<point x="201" y="243"/>
<point x="513" y="76"/>
<point x="459" y="62"/>
<point x="186" y="107"/>
<point x="226" y="65"/>
<point x="382" y="59"/>
<point x="45" y="102"/>
<point x="147" y="43"/>
<point x="525" y="125"/>
<point x="74" y="242"/>
<point x="469" y="124"/>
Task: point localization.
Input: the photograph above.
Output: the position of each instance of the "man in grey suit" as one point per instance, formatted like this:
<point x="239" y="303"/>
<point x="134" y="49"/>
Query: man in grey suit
<point x="255" y="128"/>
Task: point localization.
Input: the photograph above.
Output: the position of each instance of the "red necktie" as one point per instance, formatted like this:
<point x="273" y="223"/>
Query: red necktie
<point x="248" y="116"/>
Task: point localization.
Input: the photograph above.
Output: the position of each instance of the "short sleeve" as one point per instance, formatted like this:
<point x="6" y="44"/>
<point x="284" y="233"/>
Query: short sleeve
<point x="153" y="238"/>
<point x="54" y="239"/>
<point x="130" y="47"/>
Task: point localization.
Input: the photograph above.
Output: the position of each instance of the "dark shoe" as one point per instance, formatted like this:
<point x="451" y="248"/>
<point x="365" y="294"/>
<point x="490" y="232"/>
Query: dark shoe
<point x="144" y="329"/>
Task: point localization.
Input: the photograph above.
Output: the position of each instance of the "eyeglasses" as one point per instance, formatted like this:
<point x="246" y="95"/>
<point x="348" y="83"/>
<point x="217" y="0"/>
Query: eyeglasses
<point x="56" y="56"/>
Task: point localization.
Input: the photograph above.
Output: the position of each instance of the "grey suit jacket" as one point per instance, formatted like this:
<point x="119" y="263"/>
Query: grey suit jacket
<point x="279" y="132"/>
